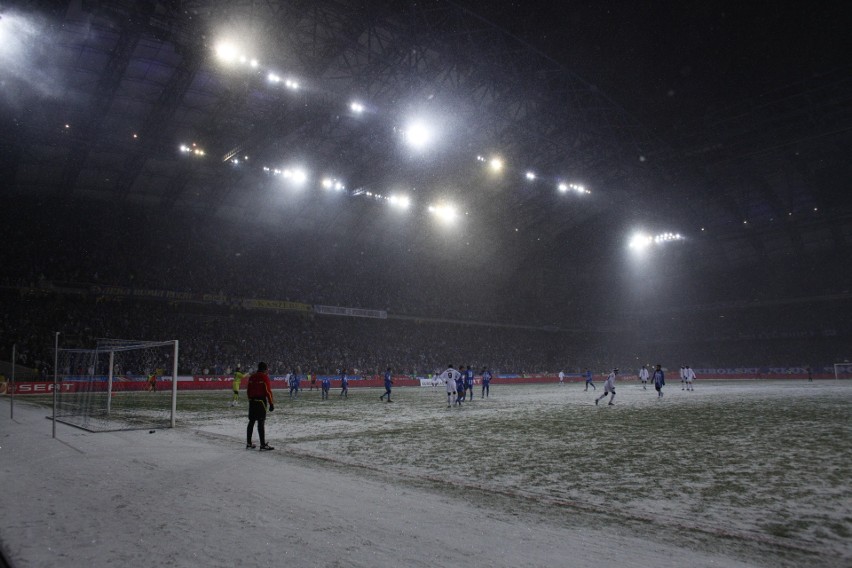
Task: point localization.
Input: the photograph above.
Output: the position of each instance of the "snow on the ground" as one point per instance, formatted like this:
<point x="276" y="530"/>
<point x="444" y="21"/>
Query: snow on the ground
<point x="183" y="498"/>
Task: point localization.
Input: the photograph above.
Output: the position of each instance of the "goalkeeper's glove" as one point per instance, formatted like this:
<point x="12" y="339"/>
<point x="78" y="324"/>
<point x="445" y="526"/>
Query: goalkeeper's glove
<point x="271" y="407"/>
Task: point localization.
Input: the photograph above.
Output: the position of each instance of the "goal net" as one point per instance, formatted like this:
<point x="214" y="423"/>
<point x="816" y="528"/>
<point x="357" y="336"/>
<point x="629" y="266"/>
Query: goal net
<point x="843" y="370"/>
<point x="119" y="385"/>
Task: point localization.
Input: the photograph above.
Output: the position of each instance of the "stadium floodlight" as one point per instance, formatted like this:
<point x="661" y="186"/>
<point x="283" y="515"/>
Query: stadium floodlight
<point x="563" y="187"/>
<point x="291" y="84"/>
<point x="530" y="176"/>
<point x="253" y="63"/>
<point x="356" y="107"/>
<point x="227" y="52"/>
<point x="418" y="135"/>
<point x="401" y="201"/>
<point x="300" y="176"/>
<point x="193" y="149"/>
<point x="444" y="212"/>
<point x="667" y="237"/>
<point x="273" y="78"/>
<point x="496" y="164"/>
<point x="332" y="183"/>
<point x="640" y="241"/>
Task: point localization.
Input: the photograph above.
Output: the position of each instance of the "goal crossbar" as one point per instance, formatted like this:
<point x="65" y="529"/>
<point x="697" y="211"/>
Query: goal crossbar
<point x="88" y="385"/>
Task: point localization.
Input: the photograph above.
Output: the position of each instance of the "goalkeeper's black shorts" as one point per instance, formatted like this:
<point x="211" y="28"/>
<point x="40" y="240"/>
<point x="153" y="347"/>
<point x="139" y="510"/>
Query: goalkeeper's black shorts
<point x="257" y="409"/>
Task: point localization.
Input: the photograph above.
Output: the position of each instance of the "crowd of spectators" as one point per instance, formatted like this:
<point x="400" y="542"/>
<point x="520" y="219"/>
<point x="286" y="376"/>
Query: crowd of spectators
<point x="215" y="339"/>
<point x="139" y="249"/>
<point x="99" y="245"/>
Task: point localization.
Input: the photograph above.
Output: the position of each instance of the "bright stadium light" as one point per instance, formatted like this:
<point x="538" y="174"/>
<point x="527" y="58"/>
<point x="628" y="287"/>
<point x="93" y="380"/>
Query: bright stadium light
<point x="332" y="183"/>
<point x="356" y="107"/>
<point x="273" y="78"/>
<point x="640" y="242"/>
<point x="253" y="63"/>
<point x="300" y="176"/>
<point x="401" y="201"/>
<point x="667" y="237"/>
<point x="417" y="135"/>
<point x="496" y="164"/>
<point x="530" y="176"/>
<point x="444" y="212"/>
<point x="227" y="52"/>
<point x="563" y="187"/>
<point x="192" y="149"/>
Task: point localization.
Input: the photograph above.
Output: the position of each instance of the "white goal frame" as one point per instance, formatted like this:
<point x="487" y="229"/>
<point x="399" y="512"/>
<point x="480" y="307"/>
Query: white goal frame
<point x="837" y="366"/>
<point x="113" y="346"/>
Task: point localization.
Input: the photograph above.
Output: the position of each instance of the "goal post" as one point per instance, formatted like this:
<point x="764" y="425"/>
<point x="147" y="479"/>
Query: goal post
<point x="843" y="370"/>
<point x="116" y="385"/>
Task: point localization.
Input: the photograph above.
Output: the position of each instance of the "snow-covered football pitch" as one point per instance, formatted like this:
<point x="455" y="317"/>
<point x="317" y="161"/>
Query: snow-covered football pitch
<point x="736" y="473"/>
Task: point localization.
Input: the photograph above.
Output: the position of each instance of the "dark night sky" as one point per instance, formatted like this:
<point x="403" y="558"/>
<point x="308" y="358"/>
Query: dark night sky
<point x="668" y="63"/>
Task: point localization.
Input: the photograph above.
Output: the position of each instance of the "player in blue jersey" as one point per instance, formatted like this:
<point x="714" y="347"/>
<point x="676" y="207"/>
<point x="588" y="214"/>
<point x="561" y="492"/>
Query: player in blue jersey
<point x="460" y="394"/>
<point x="468" y="382"/>
<point x="659" y="380"/>
<point x="486" y="382"/>
<point x="589" y="382"/>
<point x="388" y="383"/>
<point x="344" y="384"/>
<point x="295" y="382"/>
<point x="325" y="383"/>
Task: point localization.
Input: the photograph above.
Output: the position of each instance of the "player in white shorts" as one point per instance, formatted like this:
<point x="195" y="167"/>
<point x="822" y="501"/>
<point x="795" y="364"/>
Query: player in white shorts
<point x="561" y="378"/>
<point x="689" y="376"/>
<point x="449" y="377"/>
<point x="643" y="377"/>
<point x="682" y="377"/>
<point x="609" y="387"/>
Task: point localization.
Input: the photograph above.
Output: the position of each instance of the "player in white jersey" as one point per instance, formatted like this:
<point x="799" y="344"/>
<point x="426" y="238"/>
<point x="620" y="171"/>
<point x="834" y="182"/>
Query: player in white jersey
<point x="643" y="377"/>
<point x="609" y="387"/>
<point x="682" y="377"/>
<point x="689" y="376"/>
<point x="561" y="378"/>
<point x="450" y="376"/>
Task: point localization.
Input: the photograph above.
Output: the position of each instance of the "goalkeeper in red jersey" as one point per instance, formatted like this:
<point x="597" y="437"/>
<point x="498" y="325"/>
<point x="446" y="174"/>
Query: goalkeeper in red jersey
<point x="259" y="392"/>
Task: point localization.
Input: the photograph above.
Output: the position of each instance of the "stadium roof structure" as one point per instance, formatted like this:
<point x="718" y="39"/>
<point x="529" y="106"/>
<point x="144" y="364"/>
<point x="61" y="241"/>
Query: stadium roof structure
<point x="105" y="100"/>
